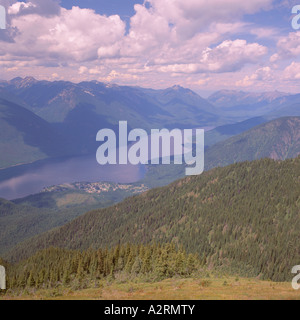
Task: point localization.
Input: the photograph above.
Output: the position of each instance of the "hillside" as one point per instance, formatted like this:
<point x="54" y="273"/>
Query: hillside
<point x="278" y="140"/>
<point x="227" y="131"/>
<point x="24" y="137"/>
<point x="286" y="111"/>
<point x="18" y="222"/>
<point x="84" y="194"/>
<point x="71" y="200"/>
<point x="244" y="218"/>
<point x="54" y="207"/>
<point x="131" y="273"/>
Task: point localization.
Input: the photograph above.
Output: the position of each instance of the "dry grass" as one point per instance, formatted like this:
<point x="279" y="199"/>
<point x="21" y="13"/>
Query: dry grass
<point x="188" y="289"/>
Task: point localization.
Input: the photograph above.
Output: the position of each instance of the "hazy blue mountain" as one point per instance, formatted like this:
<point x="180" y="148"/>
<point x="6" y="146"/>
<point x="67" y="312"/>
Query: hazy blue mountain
<point x="286" y="111"/>
<point x="186" y="105"/>
<point x="278" y="140"/>
<point x="261" y="107"/>
<point x="79" y="111"/>
<point x="63" y="102"/>
<point x="231" y="98"/>
<point x="72" y="114"/>
<point x="25" y="137"/>
<point x="241" y="105"/>
<point x="227" y="131"/>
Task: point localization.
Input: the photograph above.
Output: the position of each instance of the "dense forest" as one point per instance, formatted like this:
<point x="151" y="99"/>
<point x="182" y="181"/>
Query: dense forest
<point x="24" y="218"/>
<point x="243" y="218"/>
<point x="52" y="267"/>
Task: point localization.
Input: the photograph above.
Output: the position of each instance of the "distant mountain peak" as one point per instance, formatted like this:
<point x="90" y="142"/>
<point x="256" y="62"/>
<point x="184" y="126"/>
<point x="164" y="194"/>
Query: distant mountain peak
<point x="177" y="87"/>
<point x="23" y="82"/>
<point x="180" y="89"/>
<point x="231" y="98"/>
<point x="227" y="92"/>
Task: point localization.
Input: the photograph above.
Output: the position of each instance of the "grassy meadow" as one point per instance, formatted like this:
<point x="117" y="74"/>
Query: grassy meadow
<point x="226" y="288"/>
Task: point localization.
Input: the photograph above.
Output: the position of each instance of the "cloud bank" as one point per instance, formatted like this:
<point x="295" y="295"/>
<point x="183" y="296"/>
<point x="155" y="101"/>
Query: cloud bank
<point x="194" y="42"/>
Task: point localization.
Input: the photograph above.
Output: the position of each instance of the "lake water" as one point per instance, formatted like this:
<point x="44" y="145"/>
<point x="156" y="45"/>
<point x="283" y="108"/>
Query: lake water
<point x="24" y="180"/>
<point x="21" y="181"/>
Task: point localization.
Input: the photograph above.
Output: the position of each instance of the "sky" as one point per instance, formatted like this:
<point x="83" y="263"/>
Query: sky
<point x="205" y="45"/>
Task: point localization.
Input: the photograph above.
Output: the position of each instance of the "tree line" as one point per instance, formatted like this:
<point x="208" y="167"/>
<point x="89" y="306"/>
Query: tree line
<point x="52" y="267"/>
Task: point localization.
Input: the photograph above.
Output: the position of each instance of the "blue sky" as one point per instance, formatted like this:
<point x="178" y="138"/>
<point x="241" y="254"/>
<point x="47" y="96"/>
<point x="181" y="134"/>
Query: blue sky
<point x="124" y="8"/>
<point x="203" y="45"/>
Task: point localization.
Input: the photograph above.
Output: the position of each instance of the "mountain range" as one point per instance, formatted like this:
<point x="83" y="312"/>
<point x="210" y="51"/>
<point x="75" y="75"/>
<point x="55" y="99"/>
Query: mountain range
<point x="62" y="118"/>
<point x="244" y="105"/>
<point x="232" y="98"/>
<point x="74" y="113"/>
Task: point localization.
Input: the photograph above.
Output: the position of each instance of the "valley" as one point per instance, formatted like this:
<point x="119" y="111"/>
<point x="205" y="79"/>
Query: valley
<point x="235" y="221"/>
<point x="149" y="150"/>
<point x="65" y="117"/>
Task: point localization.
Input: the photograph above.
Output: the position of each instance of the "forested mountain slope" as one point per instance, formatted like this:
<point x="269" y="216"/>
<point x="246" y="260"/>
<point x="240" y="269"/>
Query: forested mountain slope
<point x="278" y="140"/>
<point x="244" y="217"/>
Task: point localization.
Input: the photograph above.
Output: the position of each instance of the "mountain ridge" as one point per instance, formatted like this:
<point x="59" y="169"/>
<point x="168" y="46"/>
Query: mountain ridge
<point x="278" y="140"/>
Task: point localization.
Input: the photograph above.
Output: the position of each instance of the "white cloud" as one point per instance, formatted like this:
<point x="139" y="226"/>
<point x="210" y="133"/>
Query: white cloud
<point x="18" y="7"/>
<point x="261" y="74"/>
<point x="265" y="33"/>
<point x="229" y="56"/>
<point x="83" y="69"/>
<point x="288" y="47"/>
<point x="190" y="16"/>
<point x="40" y="7"/>
<point x="74" y="35"/>
<point x="292" y="72"/>
<point x="165" y="39"/>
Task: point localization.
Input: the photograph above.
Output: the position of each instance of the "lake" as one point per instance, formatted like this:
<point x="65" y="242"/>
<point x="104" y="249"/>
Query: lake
<point x="24" y="180"/>
<point x="21" y="181"/>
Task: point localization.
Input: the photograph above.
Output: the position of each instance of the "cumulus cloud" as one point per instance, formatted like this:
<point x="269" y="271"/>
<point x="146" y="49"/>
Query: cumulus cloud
<point x="292" y="72"/>
<point x="261" y="74"/>
<point x="265" y="33"/>
<point x="188" y="16"/>
<point x="229" y="56"/>
<point x="46" y="8"/>
<point x="288" y="47"/>
<point x="164" y="38"/>
<point x="73" y="35"/>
